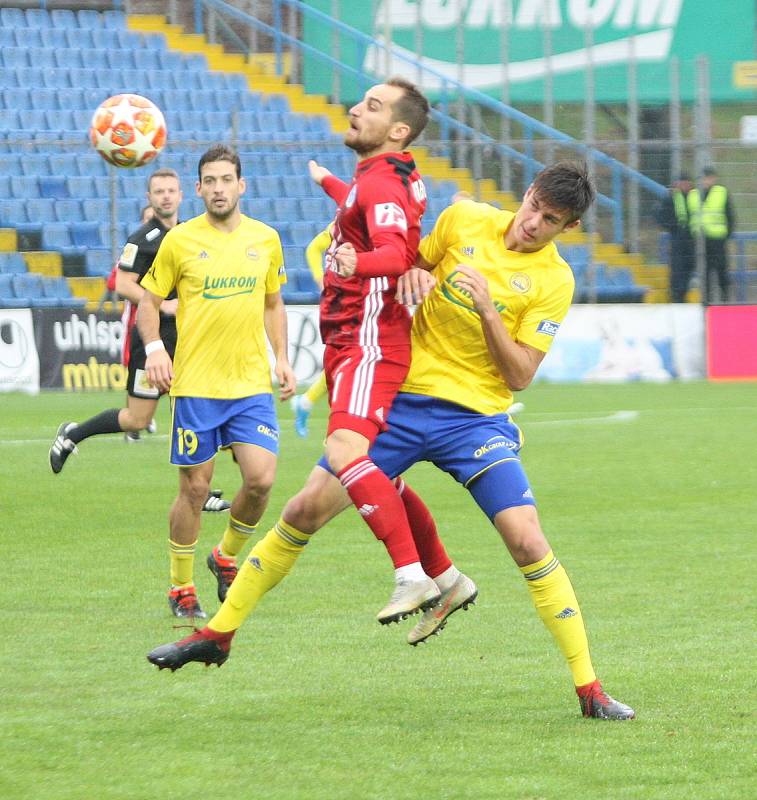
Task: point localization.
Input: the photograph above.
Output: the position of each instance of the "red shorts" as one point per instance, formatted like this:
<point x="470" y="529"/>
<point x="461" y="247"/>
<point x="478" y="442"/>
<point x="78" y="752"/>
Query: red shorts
<point x="362" y="384"/>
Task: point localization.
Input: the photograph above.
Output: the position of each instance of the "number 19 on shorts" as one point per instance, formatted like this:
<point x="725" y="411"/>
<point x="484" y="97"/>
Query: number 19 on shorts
<point x="186" y="441"/>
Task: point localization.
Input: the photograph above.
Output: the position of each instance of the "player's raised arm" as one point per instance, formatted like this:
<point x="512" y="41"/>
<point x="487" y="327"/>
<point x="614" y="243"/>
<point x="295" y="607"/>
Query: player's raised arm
<point x="158" y="365"/>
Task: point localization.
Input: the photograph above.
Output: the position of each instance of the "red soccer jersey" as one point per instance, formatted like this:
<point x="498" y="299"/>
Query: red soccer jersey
<point x="380" y="215"/>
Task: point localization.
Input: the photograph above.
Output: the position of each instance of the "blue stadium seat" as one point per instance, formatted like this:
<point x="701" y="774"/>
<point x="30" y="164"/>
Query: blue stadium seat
<point x="42" y="57"/>
<point x="8" y="298"/>
<point x="301" y="186"/>
<point x="17" y="99"/>
<point x="89" y="19"/>
<point x="7" y="38"/>
<point x="12" y="213"/>
<point x="5" y="185"/>
<point x="81" y="187"/>
<point x="98" y="262"/>
<point x="114" y="19"/>
<point x="34" y="164"/>
<point x="301" y="233"/>
<point x="54" y="79"/>
<point x="63" y="18"/>
<point x="306" y="283"/>
<point x="59" y="290"/>
<point x="317" y="208"/>
<point x="99" y="58"/>
<point x="44" y="99"/>
<point x="57" y="236"/>
<point x="53" y="186"/>
<point x="84" y="79"/>
<point x="40" y="210"/>
<point x="268" y="186"/>
<point x="37" y="18"/>
<point x="72" y="100"/>
<point x="276" y="102"/>
<point x="80" y="39"/>
<point x="118" y="59"/>
<point x="286" y="209"/>
<point x="60" y="121"/>
<point x="15" y="57"/>
<point x="32" y="120"/>
<point x="54" y="38"/>
<point x="10" y="164"/>
<point x="12" y="18"/>
<point x="69" y="59"/>
<point x="86" y="234"/>
<point x="29" y="285"/>
<point x="91" y="165"/>
<point x="12" y="264"/>
<point x="96" y="209"/>
<point x="68" y="210"/>
<point x="23" y="187"/>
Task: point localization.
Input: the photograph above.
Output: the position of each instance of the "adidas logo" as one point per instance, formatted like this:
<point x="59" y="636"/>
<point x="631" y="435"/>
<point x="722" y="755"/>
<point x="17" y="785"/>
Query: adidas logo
<point x="565" y="613"/>
<point x="366" y="510"/>
<point x="203" y="254"/>
<point x="380" y="414"/>
<point x="255" y="561"/>
<point x="528" y="493"/>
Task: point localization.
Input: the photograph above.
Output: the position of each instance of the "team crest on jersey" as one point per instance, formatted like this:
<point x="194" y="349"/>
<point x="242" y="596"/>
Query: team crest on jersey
<point x="348" y="203"/>
<point x="520" y="282"/>
<point x="252" y="253"/>
<point x="128" y="255"/>
<point x="390" y="215"/>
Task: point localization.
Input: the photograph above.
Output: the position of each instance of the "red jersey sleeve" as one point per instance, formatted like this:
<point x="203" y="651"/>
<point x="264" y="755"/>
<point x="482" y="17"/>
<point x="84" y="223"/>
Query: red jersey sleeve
<point x="336" y="189"/>
<point x="389" y="213"/>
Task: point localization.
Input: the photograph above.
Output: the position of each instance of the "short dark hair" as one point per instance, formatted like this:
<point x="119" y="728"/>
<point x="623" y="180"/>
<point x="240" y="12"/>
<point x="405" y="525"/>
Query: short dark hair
<point x="567" y="186"/>
<point x="163" y="172"/>
<point x="412" y="108"/>
<point x="220" y="152"/>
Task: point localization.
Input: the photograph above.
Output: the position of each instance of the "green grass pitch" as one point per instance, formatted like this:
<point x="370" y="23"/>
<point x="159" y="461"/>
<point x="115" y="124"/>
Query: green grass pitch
<point x="653" y="513"/>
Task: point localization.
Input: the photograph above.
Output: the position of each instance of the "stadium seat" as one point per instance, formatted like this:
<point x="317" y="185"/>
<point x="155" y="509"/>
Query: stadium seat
<point x="98" y="262"/>
<point x="267" y="186"/>
<point x="318" y="209"/>
<point x="9" y="164"/>
<point x="86" y="234"/>
<point x="34" y="164"/>
<point x="286" y="209"/>
<point x="15" y="57"/>
<point x="63" y="18"/>
<point x="84" y="79"/>
<point x="96" y="209"/>
<point x="301" y="233"/>
<point x="40" y="210"/>
<point x="68" y="211"/>
<point x="12" y="264"/>
<point x="54" y="39"/>
<point x="12" y="213"/>
<point x="37" y="18"/>
<point x="17" y="99"/>
<point x="7" y="38"/>
<point x="57" y="236"/>
<point x="53" y="186"/>
<point x="89" y="19"/>
<point x="23" y="187"/>
<point x="44" y="99"/>
<point x="42" y="57"/>
<point x="54" y="79"/>
<point x="8" y="298"/>
<point x="69" y="59"/>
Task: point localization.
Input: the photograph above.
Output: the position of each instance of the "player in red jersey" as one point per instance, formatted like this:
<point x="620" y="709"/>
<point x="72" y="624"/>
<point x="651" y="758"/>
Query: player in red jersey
<point x="366" y="332"/>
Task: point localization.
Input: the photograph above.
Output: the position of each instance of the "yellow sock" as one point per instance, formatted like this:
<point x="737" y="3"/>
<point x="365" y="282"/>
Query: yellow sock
<point x="317" y="389"/>
<point x="235" y="537"/>
<point x="555" y="600"/>
<point x="182" y="558"/>
<point x="269" y="561"/>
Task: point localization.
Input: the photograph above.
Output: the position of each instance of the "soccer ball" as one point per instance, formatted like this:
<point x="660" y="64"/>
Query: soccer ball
<point x="128" y="130"/>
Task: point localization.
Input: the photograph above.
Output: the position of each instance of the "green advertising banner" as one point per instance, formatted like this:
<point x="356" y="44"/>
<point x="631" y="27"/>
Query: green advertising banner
<point x="564" y="38"/>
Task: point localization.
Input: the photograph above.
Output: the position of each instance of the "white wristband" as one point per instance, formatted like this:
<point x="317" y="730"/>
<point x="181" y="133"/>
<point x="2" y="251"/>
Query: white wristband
<point x="151" y="347"/>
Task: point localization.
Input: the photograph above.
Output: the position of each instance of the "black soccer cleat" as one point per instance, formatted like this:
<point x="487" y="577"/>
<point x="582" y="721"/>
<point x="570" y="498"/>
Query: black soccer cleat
<point x="595" y="702"/>
<point x="215" y="502"/>
<point x="183" y="602"/>
<point x="225" y="570"/>
<point x="197" y="647"/>
<point x="62" y="447"/>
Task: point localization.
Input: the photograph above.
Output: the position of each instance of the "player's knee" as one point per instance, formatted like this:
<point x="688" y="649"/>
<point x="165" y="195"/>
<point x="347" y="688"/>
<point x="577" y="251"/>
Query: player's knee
<point x="258" y="485"/>
<point x="134" y="420"/>
<point x="522" y="534"/>
<point x="343" y="450"/>
<point x="306" y="511"/>
<point x="194" y="488"/>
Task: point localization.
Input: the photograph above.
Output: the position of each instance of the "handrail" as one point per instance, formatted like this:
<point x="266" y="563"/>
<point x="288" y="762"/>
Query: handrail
<point x="449" y="86"/>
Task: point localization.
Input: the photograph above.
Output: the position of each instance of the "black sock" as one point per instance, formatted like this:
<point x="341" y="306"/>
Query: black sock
<point x="105" y="422"/>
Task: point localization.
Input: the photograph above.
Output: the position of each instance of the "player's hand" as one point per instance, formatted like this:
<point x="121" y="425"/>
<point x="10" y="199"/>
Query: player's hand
<point x="159" y="369"/>
<point x="317" y="172"/>
<point x="286" y="378"/>
<point x="346" y="260"/>
<point x="414" y="286"/>
<point x="467" y="279"/>
<point x="170" y="306"/>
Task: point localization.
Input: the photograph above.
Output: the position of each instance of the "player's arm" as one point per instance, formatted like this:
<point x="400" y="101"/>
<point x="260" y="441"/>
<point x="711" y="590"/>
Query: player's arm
<point x="314" y="254"/>
<point x="275" y="322"/>
<point x="336" y="189"/>
<point x="516" y="362"/>
<point x="415" y="285"/>
<point x="158" y="365"/>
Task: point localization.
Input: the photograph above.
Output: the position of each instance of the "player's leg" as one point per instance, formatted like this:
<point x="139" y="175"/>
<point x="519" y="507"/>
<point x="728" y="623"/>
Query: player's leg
<point x="363" y="388"/>
<point x="302" y="404"/>
<point x="270" y="560"/>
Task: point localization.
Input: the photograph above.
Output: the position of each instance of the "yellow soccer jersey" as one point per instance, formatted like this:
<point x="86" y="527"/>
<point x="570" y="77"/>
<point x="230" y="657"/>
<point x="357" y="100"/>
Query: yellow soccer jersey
<point x="221" y="280"/>
<point x="532" y="292"/>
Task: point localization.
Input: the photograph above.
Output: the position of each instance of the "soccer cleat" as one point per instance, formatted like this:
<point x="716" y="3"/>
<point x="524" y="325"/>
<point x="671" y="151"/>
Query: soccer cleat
<point x="301" y="416"/>
<point x="225" y="570"/>
<point x="461" y="594"/>
<point x="200" y="646"/>
<point x="215" y="502"/>
<point x="184" y="603"/>
<point x="130" y="437"/>
<point x="595" y="702"/>
<point x="62" y="447"/>
<point x="408" y="598"/>
<point x="152" y="427"/>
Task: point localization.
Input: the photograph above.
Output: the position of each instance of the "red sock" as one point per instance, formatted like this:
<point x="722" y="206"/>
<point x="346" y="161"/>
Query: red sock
<point x="434" y="558"/>
<point x="378" y="503"/>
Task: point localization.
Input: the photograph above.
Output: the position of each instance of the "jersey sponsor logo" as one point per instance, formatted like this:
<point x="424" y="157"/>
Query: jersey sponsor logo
<point x="269" y="432"/>
<point x="228" y="286"/>
<point x="252" y="254"/>
<point x="520" y="282"/>
<point x="548" y="327"/>
<point x="462" y="297"/>
<point x="390" y="215"/>
<point x="349" y="202"/>
<point x="128" y="255"/>
<point x="495" y="443"/>
<point x="153" y="234"/>
<point x="418" y="189"/>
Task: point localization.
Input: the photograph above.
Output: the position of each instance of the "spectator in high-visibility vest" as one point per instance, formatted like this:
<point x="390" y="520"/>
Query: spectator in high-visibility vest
<point x="672" y="215"/>
<point x="711" y="216"/>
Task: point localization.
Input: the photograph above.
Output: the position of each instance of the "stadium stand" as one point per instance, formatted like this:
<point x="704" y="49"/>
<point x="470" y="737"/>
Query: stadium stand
<point x="57" y="66"/>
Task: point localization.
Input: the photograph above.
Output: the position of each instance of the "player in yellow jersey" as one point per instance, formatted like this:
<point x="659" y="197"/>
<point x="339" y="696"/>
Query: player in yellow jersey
<point x="497" y="294"/>
<point x="302" y="404"/>
<point x="226" y="269"/>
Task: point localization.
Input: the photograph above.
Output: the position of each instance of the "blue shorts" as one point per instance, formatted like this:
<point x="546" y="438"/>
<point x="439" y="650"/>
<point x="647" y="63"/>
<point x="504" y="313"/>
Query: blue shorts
<point x="479" y="451"/>
<point x="202" y="426"/>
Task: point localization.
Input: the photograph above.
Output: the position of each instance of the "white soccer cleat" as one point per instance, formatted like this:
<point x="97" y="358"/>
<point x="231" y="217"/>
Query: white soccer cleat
<point x="408" y="598"/>
<point x="62" y="447"/>
<point x="461" y="594"/>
